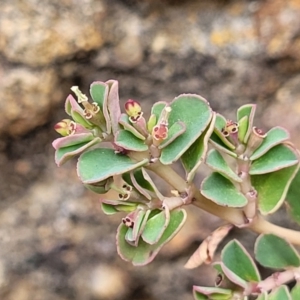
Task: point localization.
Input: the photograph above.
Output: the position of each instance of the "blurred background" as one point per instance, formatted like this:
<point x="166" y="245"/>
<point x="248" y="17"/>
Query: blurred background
<point x="55" y="242"/>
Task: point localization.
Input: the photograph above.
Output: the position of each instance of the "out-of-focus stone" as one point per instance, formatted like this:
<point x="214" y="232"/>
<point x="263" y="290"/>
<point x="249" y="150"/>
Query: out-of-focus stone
<point x="108" y="282"/>
<point x="26" y="98"/>
<point x="278" y="27"/>
<point x="285" y="111"/>
<point x="38" y="33"/>
<point x="129" y="52"/>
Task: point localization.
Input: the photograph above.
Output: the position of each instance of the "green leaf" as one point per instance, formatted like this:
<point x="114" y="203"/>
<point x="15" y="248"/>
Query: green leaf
<point x="108" y="209"/>
<point x="218" y="143"/>
<point x="272" y="251"/>
<point x="199" y="296"/>
<point x="222" y="191"/>
<point x="296" y="292"/>
<point x="243" y="126"/>
<point x="177" y="129"/>
<point x="98" y="164"/>
<point x="194" y="156"/>
<point x="99" y="92"/>
<point x="155" y="227"/>
<point x="195" y="112"/>
<point x="280" y="293"/>
<point x="71" y="140"/>
<point x="216" y="161"/>
<point x="272" y="188"/>
<point x="63" y="154"/>
<point x="235" y="257"/>
<point x="144" y="253"/>
<point x="157" y="108"/>
<point x="234" y="278"/>
<point x="137" y="179"/>
<point x="247" y="110"/>
<point x="142" y="184"/>
<point x="124" y="121"/>
<point x="293" y="198"/>
<point x="128" y="141"/>
<point x="275" y="136"/>
<point x="119" y="205"/>
<point x="215" y="293"/>
<point x="278" y="157"/>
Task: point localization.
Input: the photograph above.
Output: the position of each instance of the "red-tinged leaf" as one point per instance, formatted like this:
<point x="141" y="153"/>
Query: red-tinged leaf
<point x="63" y="154"/>
<point x="99" y="92"/>
<point x="113" y="104"/>
<point x="206" y="251"/>
<point x="237" y="259"/>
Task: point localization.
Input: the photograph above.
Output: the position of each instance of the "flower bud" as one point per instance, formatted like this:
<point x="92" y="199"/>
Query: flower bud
<point x="65" y="127"/>
<point x="133" y="110"/>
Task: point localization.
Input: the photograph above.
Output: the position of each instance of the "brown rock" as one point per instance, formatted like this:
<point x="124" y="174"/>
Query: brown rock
<point x="278" y="26"/>
<point x="38" y="33"/>
<point x="286" y="110"/>
<point x="26" y="98"/>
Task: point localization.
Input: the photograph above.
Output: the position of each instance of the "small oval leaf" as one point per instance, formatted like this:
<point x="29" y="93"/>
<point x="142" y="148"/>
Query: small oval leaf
<point x="216" y="161"/>
<point x="272" y="188"/>
<point x="272" y="251"/>
<point x="99" y="164"/>
<point x="195" y="112"/>
<point x="155" y="227"/>
<point x="278" y="157"/>
<point x="222" y="191"/>
<point x="235" y="257"/>
<point x="275" y="136"/>
<point x="128" y="141"/>
<point x="63" y="154"/>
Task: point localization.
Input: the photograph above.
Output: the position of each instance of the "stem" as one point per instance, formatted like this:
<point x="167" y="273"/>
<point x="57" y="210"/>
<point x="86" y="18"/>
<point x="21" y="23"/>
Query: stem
<point x="260" y="225"/>
<point x="277" y="279"/>
<point x="232" y="215"/>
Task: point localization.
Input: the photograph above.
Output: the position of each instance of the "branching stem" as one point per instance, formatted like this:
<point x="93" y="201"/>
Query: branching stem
<point x="232" y="215"/>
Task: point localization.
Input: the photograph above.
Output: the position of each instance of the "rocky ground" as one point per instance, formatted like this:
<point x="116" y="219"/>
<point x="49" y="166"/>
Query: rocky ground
<point x="55" y="243"/>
